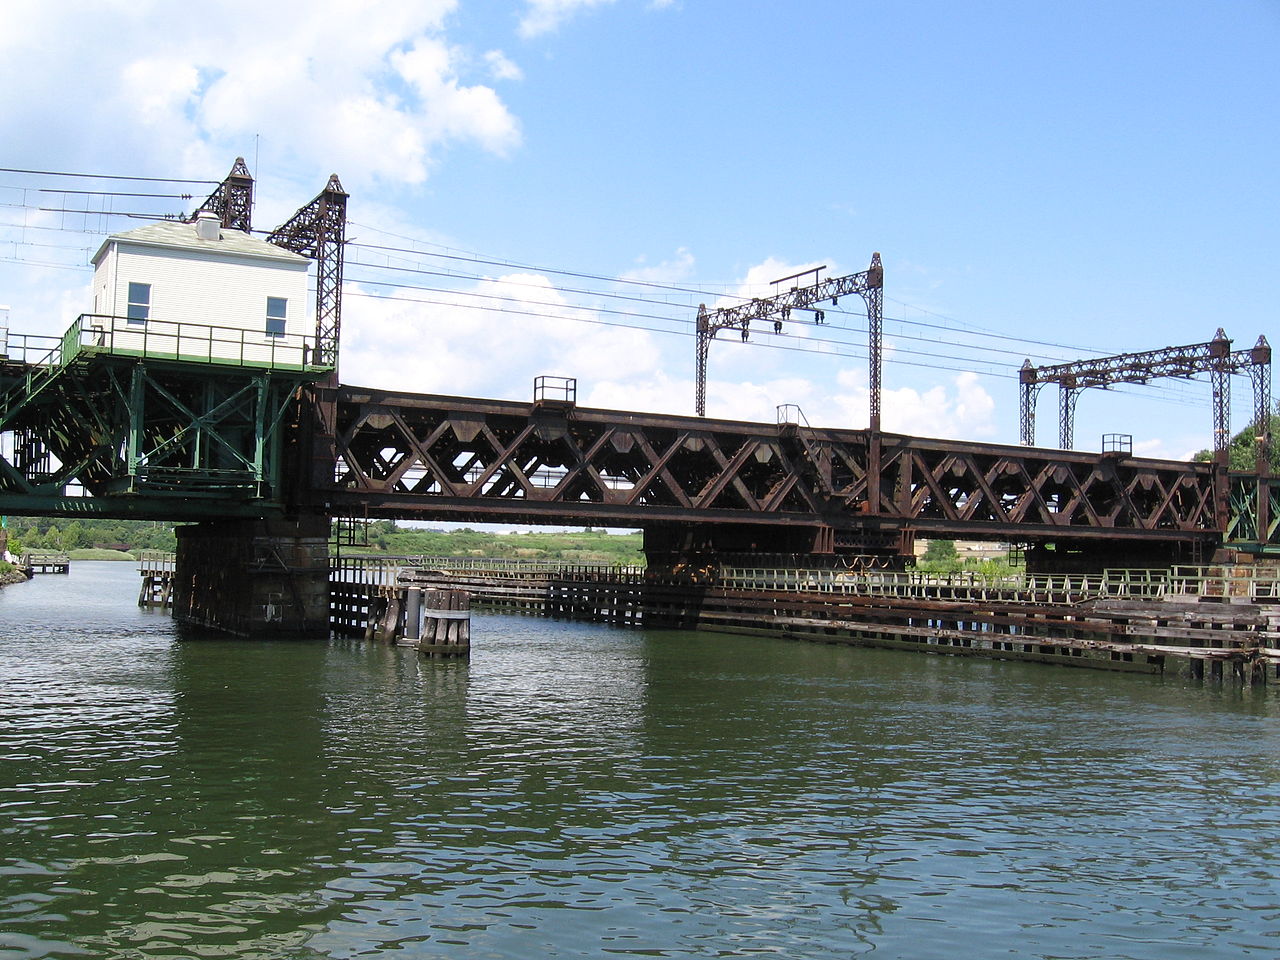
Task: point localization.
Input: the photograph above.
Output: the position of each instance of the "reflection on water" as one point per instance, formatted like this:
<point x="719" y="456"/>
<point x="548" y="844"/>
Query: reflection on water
<point x="579" y="791"/>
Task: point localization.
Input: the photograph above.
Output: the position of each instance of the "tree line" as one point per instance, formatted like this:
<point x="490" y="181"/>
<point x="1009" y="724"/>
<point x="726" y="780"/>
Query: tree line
<point x="59" y="534"/>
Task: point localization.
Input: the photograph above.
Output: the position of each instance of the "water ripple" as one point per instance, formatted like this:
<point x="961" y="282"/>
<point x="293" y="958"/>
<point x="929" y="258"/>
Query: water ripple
<point x="577" y="791"/>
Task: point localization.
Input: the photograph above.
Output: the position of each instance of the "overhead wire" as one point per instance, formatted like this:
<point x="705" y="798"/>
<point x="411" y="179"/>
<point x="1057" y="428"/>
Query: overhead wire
<point x="481" y="260"/>
<point x="650" y="316"/>
<point x="1002" y="372"/>
<point x="104" y="176"/>
<point x="608" y="323"/>
<point x="487" y="261"/>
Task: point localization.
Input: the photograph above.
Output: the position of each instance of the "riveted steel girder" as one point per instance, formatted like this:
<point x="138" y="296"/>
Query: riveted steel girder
<point x="437" y="457"/>
<point x="147" y="437"/>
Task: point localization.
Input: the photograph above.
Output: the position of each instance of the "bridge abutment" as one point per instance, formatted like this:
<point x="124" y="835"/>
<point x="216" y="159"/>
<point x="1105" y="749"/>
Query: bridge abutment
<point x="254" y="578"/>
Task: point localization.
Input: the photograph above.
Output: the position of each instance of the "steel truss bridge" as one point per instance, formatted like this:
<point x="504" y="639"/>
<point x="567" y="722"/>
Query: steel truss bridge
<point x="177" y="438"/>
<point x="782" y="487"/>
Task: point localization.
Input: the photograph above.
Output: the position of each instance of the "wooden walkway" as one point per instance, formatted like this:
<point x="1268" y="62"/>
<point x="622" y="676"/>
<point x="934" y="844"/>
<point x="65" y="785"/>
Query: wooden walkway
<point x="1196" y="620"/>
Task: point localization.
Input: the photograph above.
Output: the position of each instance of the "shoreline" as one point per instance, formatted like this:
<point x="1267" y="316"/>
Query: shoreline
<point x="13" y="576"/>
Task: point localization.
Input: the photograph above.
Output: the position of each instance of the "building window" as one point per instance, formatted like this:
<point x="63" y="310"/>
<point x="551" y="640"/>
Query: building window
<point x="277" y="310"/>
<point x="139" y="302"/>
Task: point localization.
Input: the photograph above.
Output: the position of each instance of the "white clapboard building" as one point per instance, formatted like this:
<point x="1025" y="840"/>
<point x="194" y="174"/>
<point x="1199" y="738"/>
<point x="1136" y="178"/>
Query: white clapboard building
<point x="199" y="291"/>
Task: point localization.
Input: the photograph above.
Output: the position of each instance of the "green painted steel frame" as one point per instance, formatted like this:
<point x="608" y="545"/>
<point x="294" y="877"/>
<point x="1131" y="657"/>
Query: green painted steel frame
<point x="146" y="438"/>
<point x="1249" y="492"/>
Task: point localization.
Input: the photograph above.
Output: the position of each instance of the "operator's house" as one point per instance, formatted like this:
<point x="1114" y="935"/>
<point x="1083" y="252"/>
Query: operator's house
<point x="199" y="291"/>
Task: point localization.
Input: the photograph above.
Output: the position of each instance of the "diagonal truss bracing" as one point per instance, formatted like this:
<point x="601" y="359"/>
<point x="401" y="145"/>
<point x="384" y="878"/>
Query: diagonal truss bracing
<point x="430" y="457"/>
<point x="232" y="200"/>
<point x="319" y="231"/>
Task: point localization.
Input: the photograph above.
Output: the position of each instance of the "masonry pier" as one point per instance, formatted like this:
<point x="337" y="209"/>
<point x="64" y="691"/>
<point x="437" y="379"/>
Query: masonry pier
<point x="258" y="578"/>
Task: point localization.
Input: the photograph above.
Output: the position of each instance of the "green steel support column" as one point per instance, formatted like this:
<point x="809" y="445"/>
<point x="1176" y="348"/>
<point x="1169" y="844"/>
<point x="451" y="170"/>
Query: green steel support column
<point x="260" y="432"/>
<point x="137" y="408"/>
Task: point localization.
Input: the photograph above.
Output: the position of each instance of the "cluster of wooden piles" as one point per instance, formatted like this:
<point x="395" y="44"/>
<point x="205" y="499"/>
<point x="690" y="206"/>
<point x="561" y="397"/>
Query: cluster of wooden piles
<point x="378" y="599"/>
<point x="437" y="622"/>
<point x="157" y="571"/>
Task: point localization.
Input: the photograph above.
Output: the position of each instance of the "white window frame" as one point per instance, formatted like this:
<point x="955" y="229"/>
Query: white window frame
<point x="138" y="309"/>
<point x="281" y="319"/>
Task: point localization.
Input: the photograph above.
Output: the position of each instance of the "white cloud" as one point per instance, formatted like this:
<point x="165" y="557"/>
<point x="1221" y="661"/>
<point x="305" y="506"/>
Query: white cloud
<point x="501" y="68"/>
<point x="679" y="267"/>
<point x="544" y="16"/>
<point x="961" y="409"/>
<point x="490" y="338"/>
<point x="378" y="98"/>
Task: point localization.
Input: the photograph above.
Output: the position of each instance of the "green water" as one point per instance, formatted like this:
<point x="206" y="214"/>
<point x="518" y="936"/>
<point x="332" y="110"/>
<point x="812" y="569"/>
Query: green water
<point x="580" y="791"/>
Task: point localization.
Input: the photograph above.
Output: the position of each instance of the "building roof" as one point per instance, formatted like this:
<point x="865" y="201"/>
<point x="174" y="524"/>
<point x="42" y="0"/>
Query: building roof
<point x="182" y="236"/>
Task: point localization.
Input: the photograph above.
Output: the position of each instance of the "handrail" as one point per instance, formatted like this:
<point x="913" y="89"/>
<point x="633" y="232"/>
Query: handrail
<point x="186" y="340"/>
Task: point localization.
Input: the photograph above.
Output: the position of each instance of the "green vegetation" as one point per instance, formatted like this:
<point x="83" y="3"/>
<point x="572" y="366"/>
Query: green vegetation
<point x="93" y="553"/>
<point x="89" y="539"/>
<point x="59" y="535"/>
<point x="579" y="546"/>
<point x="1242" y="453"/>
<point x="941" y="557"/>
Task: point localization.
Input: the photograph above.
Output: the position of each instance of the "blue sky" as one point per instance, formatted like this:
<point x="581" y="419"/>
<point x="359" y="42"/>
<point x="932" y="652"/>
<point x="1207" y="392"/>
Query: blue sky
<point x="1053" y="180"/>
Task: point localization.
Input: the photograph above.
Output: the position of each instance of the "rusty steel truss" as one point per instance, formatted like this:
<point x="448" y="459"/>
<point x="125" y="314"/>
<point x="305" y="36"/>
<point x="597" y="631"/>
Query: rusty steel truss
<point x="433" y="457"/>
<point x="1215" y="358"/>
<point x="232" y="200"/>
<point x="869" y="284"/>
<point x="319" y="231"/>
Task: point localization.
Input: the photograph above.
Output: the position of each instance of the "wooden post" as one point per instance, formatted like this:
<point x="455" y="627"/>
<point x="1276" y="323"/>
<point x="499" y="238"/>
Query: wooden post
<point x="412" y="632"/>
<point x="447" y="624"/>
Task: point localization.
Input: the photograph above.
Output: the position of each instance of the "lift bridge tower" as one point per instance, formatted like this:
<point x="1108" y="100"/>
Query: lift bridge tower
<point x="171" y="403"/>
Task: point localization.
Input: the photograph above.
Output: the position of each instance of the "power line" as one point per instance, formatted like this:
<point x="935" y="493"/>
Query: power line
<point x="654" y="285"/>
<point x="650" y="316"/>
<point x="110" y="213"/>
<point x="103" y="176"/>
<point x="489" y="261"/>
<point x="113" y="193"/>
<point x="1001" y="374"/>
<point x="612" y="295"/>
<point x="478" y="259"/>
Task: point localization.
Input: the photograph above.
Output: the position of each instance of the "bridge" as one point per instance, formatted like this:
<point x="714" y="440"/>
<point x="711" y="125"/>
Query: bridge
<point x="254" y="439"/>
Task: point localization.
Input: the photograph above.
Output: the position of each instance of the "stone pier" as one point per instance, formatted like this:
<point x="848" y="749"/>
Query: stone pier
<point x="254" y="578"/>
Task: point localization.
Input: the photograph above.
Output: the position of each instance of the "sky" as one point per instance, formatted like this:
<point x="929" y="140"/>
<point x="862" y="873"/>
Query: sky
<point x="552" y="187"/>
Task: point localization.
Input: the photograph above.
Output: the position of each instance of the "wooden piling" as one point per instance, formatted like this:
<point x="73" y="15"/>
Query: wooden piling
<point x="446" y="624"/>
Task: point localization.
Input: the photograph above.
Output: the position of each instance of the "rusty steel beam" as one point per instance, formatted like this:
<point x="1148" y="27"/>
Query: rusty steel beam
<point x="419" y="456"/>
<point x="1214" y="357"/>
<point x="869" y="284"/>
<point x="319" y="231"/>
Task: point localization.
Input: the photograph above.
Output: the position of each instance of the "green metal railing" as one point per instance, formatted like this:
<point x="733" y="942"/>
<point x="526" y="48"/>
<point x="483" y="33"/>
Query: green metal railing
<point x="192" y="342"/>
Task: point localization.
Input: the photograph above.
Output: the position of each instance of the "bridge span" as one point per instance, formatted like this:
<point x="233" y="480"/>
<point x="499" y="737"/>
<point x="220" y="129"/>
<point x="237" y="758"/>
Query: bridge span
<point x="261" y="452"/>
<point x="766" y="487"/>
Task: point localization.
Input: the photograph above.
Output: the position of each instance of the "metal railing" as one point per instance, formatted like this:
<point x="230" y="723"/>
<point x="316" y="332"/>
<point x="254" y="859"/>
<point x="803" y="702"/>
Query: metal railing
<point x="549" y="389"/>
<point x="183" y="340"/>
<point x="387" y="569"/>
<point x="30" y="348"/>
